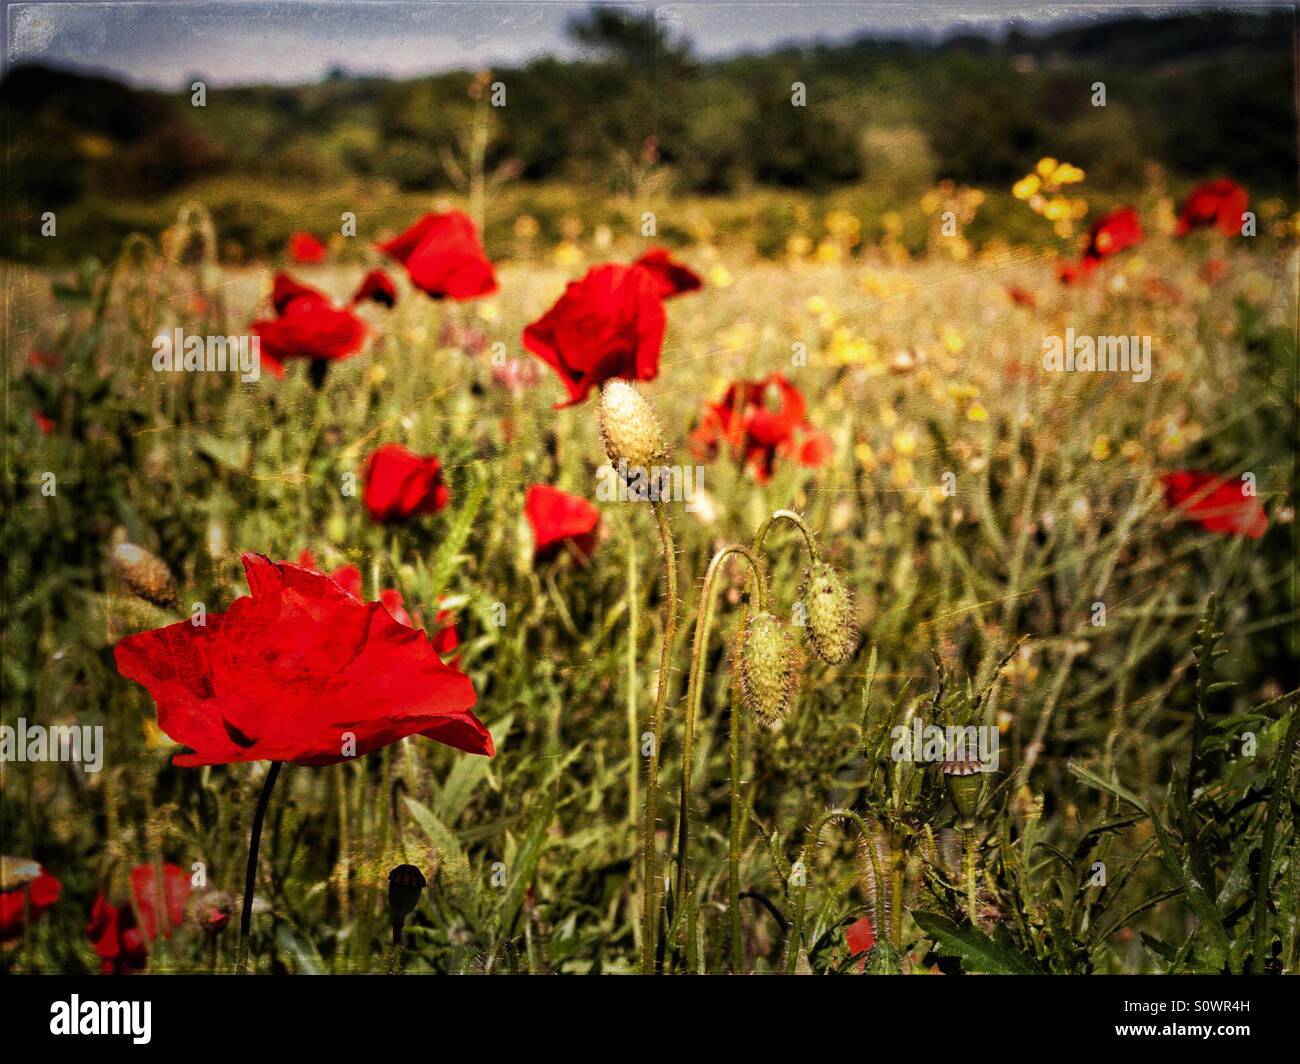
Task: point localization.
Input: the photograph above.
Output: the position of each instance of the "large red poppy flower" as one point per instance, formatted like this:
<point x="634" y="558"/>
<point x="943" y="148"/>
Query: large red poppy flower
<point x="376" y="287"/>
<point x="305" y="249"/>
<point x="400" y="484"/>
<point x="1111" y="234"/>
<point x="443" y="257"/>
<point x="307" y="325"/>
<point x="26" y="891"/>
<point x="445" y="638"/>
<point x="299" y="670"/>
<point x="557" y="517"/>
<point x="609" y="324"/>
<point x="759" y="420"/>
<point x="1216" y="502"/>
<point x="1217" y="203"/>
<point x="672" y="277"/>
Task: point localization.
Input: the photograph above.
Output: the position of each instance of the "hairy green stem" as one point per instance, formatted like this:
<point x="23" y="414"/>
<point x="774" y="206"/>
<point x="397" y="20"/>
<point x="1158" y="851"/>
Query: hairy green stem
<point x="650" y="886"/>
<point x="800" y="904"/>
<point x="737" y="825"/>
<point x="699" y="652"/>
<point x="1281" y="767"/>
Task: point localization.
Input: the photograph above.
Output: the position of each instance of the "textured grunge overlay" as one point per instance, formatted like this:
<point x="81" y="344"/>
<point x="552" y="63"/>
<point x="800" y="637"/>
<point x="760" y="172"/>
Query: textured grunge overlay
<point x="662" y="488"/>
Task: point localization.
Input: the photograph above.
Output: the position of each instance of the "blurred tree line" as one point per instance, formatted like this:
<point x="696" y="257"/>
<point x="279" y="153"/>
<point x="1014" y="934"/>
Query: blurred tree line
<point x="1205" y="94"/>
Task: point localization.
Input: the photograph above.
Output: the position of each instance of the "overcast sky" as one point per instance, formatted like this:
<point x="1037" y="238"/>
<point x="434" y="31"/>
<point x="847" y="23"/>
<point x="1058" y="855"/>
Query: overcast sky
<point x="238" y="42"/>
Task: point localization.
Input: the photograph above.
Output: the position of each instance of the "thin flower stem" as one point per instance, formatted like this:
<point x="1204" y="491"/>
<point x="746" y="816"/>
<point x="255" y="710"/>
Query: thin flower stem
<point x="969" y="870"/>
<point x="699" y="652"/>
<point x="254" y="845"/>
<point x="737" y="826"/>
<point x="800" y="904"/>
<point x="650" y="884"/>
<point x="633" y="745"/>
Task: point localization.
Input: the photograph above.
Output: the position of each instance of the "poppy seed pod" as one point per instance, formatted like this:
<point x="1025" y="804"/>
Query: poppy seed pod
<point x="830" y="614"/>
<point x="405" y="885"/>
<point x="964" y="776"/>
<point x="767" y="667"/>
<point x="629" y="428"/>
<point x="145" y="575"/>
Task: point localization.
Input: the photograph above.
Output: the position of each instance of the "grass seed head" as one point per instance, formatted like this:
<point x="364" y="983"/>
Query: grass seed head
<point x="629" y="427"/>
<point x="767" y="667"/>
<point x="830" y="614"/>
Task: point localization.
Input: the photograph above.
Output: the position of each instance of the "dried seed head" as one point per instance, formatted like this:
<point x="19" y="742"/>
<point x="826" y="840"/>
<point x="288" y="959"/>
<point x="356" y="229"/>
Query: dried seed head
<point x="405" y="884"/>
<point x="144" y="574"/>
<point x="830" y="614"/>
<point x="628" y="426"/>
<point x="767" y="667"/>
<point x="964" y="776"/>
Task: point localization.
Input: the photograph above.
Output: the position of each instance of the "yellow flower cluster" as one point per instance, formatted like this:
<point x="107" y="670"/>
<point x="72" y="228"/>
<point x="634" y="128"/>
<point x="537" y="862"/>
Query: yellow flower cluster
<point x="1042" y="188"/>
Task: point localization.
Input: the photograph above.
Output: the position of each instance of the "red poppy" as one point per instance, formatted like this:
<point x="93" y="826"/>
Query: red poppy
<point x="43" y="422"/>
<point x="116" y="938"/>
<point x="673" y="278"/>
<point x="348" y="577"/>
<point x="861" y="937"/>
<point x="609" y="324"/>
<point x="1073" y="272"/>
<point x="299" y="671"/>
<point x="306" y="249"/>
<point x="557" y="517"/>
<point x="401" y="484"/>
<point x="443" y="257"/>
<point x="1110" y="235"/>
<point x="1219" y="204"/>
<point x="446" y="638"/>
<point x="377" y="287"/>
<point x="1216" y="502"/>
<point x="307" y="325"/>
<point x="757" y="432"/>
<point x="1021" y="297"/>
<point x="151" y="906"/>
<point x="26" y="891"/>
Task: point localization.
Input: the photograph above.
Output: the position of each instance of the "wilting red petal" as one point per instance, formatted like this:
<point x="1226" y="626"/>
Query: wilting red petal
<point x="556" y="516"/>
<point x="305" y="248"/>
<point x="300" y="671"/>
<point x="1216" y="502"/>
<point x="400" y="484"/>
<point x="608" y="324"/>
<point x="443" y="257"/>
<point x="376" y="287"/>
<point x="671" y="277"/>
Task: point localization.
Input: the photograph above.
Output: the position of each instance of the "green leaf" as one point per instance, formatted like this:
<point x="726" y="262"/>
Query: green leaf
<point x="977" y="952"/>
<point x="465" y="776"/>
<point x="439" y="834"/>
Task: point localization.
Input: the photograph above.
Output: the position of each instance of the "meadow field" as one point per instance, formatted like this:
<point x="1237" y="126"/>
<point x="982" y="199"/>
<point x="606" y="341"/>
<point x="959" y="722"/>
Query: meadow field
<point x="892" y="514"/>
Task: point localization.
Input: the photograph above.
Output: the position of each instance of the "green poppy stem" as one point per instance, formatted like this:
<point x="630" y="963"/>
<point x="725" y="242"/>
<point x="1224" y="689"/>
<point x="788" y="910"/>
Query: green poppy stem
<point x="254" y="845"/>
<point x="699" y="652"/>
<point x="650" y="885"/>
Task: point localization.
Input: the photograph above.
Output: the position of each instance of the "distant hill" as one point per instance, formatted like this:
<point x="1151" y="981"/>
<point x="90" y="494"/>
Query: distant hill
<point x="1202" y="94"/>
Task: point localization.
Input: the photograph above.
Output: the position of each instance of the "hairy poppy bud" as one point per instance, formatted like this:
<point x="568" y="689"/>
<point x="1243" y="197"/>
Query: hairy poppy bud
<point x="767" y="667"/>
<point x="144" y="574"/>
<point x="964" y="776"/>
<point x="875" y="865"/>
<point x="830" y="614"/>
<point x="628" y="426"/>
<point x="405" y="885"/>
<point x="212" y="911"/>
